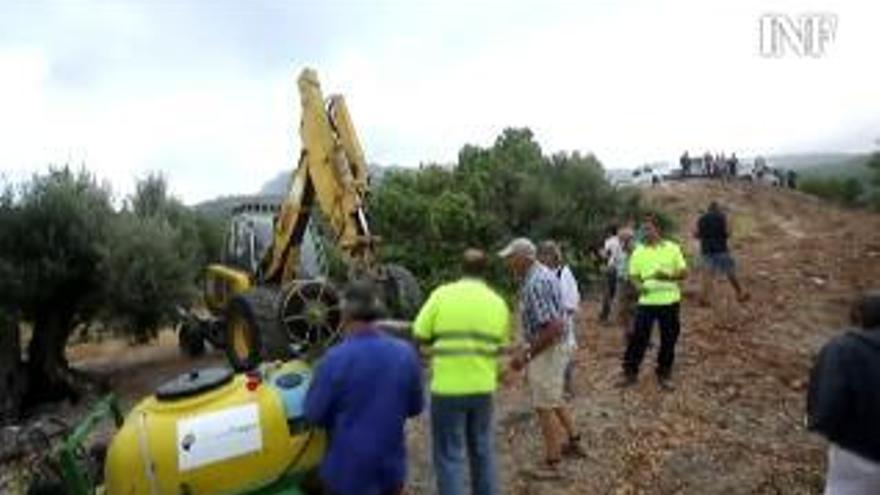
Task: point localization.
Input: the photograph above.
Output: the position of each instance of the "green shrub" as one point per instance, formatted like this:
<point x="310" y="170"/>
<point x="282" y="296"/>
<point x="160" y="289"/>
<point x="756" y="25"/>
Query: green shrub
<point x="849" y="192"/>
<point x="427" y="217"/>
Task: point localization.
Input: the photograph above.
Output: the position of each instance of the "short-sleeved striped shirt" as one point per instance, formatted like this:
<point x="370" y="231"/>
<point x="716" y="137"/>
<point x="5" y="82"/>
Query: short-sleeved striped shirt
<point x="540" y="301"/>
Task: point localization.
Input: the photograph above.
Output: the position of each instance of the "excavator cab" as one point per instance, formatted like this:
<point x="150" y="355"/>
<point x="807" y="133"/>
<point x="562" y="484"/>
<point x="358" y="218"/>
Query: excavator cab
<point x="247" y="240"/>
<point x="248" y="237"/>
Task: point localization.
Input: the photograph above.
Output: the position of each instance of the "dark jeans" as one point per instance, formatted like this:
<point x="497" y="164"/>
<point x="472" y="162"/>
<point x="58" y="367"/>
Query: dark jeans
<point x="459" y="424"/>
<point x="608" y="297"/>
<point x="670" y="326"/>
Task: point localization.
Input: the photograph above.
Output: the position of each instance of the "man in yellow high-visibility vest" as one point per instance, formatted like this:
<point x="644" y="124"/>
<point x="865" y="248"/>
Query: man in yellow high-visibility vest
<point x="464" y="325"/>
<point x="656" y="268"/>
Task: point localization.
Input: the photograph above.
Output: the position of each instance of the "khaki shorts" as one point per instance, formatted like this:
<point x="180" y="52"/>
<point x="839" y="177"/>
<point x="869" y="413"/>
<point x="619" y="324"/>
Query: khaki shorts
<point x="546" y="374"/>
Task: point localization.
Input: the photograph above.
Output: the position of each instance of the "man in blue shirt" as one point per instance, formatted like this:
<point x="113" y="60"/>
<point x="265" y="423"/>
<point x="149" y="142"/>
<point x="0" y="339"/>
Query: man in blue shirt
<point x="364" y="389"/>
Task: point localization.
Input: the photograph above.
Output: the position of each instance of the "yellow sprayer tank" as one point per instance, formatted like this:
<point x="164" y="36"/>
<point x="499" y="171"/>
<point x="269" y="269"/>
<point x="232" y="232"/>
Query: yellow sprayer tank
<point x="213" y="432"/>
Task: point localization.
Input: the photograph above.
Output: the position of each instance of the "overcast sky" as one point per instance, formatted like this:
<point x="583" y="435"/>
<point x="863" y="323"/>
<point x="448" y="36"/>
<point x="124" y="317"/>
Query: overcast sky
<point x="204" y="91"/>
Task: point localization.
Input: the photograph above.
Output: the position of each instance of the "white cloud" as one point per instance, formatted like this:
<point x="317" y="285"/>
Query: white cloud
<point x="23" y="112"/>
<point x="210" y="99"/>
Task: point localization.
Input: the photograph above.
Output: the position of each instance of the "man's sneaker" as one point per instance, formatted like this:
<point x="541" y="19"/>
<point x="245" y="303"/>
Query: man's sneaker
<point x="627" y="381"/>
<point x="665" y="384"/>
<point x="573" y="448"/>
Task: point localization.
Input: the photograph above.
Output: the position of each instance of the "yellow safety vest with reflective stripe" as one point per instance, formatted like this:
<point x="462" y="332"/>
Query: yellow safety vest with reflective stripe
<point x="646" y="261"/>
<point x="465" y="323"/>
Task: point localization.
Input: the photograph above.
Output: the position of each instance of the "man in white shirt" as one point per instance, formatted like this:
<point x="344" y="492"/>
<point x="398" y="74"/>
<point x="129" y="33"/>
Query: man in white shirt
<point x="550" y="255"/>
<point x="611" y="254"/>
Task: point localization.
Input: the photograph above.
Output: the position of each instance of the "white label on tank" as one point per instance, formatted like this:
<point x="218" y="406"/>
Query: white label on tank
<point x="217" y="436"/>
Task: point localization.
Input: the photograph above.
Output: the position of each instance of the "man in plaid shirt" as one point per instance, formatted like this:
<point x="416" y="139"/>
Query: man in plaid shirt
<point x="546" y="352"/>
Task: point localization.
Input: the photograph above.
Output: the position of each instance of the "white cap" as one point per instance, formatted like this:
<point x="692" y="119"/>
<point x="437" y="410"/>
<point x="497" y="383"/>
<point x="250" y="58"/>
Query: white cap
<point x="520" y="246"/>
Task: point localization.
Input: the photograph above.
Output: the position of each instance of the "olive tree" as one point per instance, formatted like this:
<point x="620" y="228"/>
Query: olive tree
<point x="68" y="258"/>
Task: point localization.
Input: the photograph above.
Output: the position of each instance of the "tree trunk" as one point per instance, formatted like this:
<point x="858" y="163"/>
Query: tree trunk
<point x="13" y="378"/>
<point x="49" y="378"/>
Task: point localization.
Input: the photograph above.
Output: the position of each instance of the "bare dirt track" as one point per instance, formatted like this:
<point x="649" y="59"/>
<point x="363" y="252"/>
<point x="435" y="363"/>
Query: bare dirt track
<point x="735" y="423"/>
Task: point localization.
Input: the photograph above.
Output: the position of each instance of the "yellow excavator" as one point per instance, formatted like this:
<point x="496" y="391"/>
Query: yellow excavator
<point x="212" y="431"/>
<point x="263" y="303"/>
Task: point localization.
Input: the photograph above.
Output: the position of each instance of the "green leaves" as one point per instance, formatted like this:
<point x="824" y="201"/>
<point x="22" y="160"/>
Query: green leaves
<point x="145" y="276"/>
<point x="427" y="217"/>
<point x="453" y="218"/>
<point x="54" y="238"/>
<point x="200" y="237"/>
<point x="65" y="249"/>
<point x="874" y="165"/>
<point x="851" y="192"/>
<point x="847" y="192"/>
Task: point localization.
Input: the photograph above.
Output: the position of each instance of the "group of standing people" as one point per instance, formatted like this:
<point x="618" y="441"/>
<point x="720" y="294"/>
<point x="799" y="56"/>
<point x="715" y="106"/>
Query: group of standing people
<point x="717" y="166"/>
<point x="728" y="168"/>
<point x="367" y="386"/>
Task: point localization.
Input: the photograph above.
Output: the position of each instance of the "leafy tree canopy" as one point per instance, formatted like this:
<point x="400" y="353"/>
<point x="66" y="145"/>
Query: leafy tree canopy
<point x="68" y="258"/>
<point x="427" y="217"/>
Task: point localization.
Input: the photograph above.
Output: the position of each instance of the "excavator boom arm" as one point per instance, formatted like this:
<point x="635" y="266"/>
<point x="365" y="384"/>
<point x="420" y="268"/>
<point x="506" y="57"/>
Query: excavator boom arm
<point x="331" y="173"/>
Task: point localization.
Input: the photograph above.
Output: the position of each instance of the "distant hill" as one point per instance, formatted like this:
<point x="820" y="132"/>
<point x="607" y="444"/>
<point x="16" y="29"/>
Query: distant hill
<point x="280" y="183"/>
<point x="824" y="164"/>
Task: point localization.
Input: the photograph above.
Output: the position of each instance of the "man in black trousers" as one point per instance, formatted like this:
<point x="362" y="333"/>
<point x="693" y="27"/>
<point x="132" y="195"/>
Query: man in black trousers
<point x="655" y="268"/>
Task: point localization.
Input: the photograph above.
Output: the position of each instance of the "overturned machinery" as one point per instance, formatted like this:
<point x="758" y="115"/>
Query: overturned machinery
<point x="214" y="431"/>
<point x="264" y="301"/>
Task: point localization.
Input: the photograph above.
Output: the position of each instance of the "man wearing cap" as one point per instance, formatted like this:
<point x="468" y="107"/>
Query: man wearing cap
<point x="545" y="354"/>
<point x="363" y="390"/>
<point x="463" y="325"/>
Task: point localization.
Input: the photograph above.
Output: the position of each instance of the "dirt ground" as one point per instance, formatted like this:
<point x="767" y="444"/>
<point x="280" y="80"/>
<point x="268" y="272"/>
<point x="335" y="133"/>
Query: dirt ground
<point x="735" y="423"/>
<point x="136" y="371"/>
